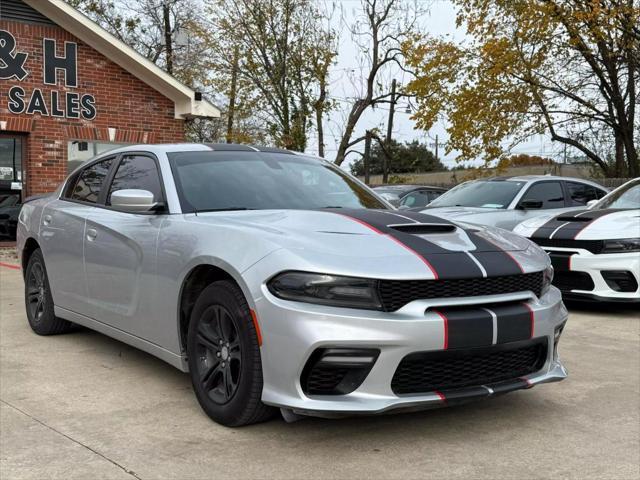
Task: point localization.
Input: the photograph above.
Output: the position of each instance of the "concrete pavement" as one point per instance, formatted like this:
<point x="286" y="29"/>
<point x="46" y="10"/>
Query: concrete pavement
<point x="85" y="406"/>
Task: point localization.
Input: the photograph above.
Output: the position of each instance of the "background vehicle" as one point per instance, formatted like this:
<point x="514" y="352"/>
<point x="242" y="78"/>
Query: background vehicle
<point x="409" y="196"/>
<point x="595" y="252"/>
<point x="9" y="210"/>
<point x="504" y="202"/>
<point x="278" y="280"/>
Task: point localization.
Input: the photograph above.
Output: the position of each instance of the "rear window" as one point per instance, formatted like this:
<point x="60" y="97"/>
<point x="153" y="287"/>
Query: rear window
<point x="89" y="181"/>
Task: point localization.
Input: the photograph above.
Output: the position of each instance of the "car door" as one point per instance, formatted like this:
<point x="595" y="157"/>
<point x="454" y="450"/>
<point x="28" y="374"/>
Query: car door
<point x="62" y="232"/>
<point x="120" y="250"/>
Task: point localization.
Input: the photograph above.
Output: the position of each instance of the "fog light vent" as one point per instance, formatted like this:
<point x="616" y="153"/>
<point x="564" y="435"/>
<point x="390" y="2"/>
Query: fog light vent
<point x="337" y="371"/>
<point x="620" y="280"/>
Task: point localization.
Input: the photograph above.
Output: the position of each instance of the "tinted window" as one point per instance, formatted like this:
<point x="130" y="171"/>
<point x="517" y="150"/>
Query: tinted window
<point x="139" y="173"/>
<point x="416" y="199"/>
<point x="89" y="182"/>
<point x="581" y="193"/>
<point x="252" y="180"/>
<point x="494" y="194"/>
<point x="549" y="193"/>
<point x="434" y="194"/>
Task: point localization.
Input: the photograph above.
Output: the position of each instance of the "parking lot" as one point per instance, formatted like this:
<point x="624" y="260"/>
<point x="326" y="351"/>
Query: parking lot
<point x="85" y="406"/>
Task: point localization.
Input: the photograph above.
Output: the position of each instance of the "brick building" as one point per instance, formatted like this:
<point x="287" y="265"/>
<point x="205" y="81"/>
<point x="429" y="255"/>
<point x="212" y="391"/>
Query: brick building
<point x="70" y="90"/>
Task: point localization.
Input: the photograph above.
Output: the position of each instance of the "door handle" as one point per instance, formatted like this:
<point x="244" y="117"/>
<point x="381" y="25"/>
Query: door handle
<point x="46" y="220"/>
<point x="91" y="234"/>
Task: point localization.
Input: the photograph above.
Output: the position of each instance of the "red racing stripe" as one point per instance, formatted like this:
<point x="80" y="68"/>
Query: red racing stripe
<point x="374" y="229"/>
<point x="441" y="395"/>
<point x="446" y="329"/>
<point x="9" y="265"/>
<point x="531" y="317"/>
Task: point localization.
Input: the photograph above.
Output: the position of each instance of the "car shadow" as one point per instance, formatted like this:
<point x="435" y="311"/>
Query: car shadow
<point x="612" y="308"/>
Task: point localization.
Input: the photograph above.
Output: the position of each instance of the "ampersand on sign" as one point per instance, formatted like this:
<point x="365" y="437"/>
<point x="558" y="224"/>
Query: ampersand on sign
<point x="11" y="64"/>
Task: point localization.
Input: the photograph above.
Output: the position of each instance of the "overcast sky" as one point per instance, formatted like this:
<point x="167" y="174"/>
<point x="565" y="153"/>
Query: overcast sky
<point x="440" y="21"/>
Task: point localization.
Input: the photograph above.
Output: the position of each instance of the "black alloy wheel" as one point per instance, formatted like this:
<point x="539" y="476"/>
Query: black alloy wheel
<point x="38" y="299"/>
<point x="219" y="354"/>
<point x="223" y="353"/>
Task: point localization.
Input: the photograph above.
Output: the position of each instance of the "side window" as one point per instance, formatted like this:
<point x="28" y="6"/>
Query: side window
<point x="548" y="193"/>
<point x="415" y="199"/>
<point x="89" y="182"/>
<point x="600" y="193"/>
<point x="581" y="193"/>
<point x="137" y="172"/>
<point x="433" y="194"/>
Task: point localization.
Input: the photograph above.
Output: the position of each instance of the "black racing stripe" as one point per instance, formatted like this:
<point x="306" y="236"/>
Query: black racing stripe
<point x="495" y="260"/>
<point x="513" y="321"/>
<point x="462" y="395"/>
<point x="467" y="327"/>
<point x="448" y="264"/>
<point x="419" y="217"/>
<point x="572" y="229"/>
<point x="544" y="231"/>
<point x="561" y="261"/>
<point x="508" y="386"/>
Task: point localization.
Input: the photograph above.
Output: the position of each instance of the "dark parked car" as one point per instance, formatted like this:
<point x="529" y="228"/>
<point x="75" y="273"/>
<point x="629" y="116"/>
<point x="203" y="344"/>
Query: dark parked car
<point x="409" y="196"/>
<point x="9" y="209"/>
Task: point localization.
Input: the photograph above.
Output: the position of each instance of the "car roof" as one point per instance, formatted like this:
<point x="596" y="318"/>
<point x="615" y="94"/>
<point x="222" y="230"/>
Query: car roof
<point x="535" y="178"/>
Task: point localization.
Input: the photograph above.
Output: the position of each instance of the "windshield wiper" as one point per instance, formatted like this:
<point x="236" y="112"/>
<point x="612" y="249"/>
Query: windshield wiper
<point x="226" y="209"/>
<point x="332" y="206"/>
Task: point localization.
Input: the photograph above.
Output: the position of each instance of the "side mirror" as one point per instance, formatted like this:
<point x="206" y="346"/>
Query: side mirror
<point x="591" y="203"/>
<point x="134" y="201"/>
<point x="530" y="205"/>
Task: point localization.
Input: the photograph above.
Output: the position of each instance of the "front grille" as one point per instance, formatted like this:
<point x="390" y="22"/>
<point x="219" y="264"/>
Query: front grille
<point x="423" y="372"/>
<point x="394" y="294"/>
<point x="567" y="281"/>
<point x="593" y="246"/>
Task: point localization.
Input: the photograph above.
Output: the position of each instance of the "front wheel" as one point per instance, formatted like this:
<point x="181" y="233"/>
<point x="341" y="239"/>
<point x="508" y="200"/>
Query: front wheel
<point x="38" y="299"/>
<point x="224" y="357"/>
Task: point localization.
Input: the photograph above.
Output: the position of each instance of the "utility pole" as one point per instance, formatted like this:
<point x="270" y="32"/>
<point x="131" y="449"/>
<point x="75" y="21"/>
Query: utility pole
<point x="386" y="159"/>
<point x="168" y="43"/>
<point x="437" y="149"/>
<point x="366" y="159"/>
<point x="232" y="95"/>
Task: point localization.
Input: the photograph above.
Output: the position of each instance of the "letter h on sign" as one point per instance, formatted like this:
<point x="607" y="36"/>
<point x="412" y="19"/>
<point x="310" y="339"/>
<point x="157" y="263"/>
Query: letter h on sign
<point x="68" y="64"/>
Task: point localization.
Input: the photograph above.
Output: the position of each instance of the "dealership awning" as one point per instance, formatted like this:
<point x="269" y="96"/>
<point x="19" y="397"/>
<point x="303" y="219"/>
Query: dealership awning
<point x="184" y="98"/>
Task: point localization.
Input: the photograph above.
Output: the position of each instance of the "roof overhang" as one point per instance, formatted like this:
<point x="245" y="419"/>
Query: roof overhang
<point x="67" y="17"/>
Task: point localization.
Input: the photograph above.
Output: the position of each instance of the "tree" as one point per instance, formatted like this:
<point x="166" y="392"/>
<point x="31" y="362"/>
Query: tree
<point x="408" y="157"/>
<point x="379" y="34"/>
<point x="565" y="68"/>
<point x="280" y="52"/>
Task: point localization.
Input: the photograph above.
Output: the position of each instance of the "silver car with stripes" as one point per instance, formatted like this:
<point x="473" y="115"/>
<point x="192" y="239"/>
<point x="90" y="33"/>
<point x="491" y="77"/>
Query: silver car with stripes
<point x="278" y="281"/>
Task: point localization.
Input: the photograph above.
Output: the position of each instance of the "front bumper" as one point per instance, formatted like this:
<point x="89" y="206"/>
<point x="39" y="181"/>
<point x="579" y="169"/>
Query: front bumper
<point x="584" y="274"/>
<point x="292" y="331"/>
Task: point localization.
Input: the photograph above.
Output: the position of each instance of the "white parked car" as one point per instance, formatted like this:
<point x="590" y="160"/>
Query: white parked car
<point x="595" y="252"/>
<point x="506" y="201"/>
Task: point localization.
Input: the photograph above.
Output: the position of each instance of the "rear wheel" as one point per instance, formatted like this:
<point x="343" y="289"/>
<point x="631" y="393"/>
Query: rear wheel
<point x="224" y="357"/>
<point x="38" y="299"/>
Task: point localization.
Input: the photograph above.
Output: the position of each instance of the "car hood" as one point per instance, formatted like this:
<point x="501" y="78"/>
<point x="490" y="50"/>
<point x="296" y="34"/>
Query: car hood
<point x="583" y="224"/>
<point x="388" y="239"/>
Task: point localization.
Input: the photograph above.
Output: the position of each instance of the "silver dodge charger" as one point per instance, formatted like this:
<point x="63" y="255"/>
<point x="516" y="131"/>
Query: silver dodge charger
<point x="279" y="281"/>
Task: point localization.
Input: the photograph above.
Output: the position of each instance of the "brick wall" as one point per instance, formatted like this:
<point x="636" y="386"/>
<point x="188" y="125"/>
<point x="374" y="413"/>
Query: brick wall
<point x="139" y="113"/>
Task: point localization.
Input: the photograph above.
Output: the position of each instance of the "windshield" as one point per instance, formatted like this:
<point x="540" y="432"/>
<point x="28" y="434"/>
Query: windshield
<point x="627" y="197"/>
<point x="256" y="181"/>
<point x="496" y="194"/>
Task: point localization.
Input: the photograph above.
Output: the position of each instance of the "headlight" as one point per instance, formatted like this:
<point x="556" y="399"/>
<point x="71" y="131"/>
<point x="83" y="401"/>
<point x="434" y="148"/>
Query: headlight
<point x="547" y="278"/>
<point x="621" y="246"/>
<point x="323" y="289"/>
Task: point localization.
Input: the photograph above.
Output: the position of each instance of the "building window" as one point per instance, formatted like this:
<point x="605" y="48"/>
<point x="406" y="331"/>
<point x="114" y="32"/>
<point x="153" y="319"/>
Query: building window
<point x="80" y="151"/>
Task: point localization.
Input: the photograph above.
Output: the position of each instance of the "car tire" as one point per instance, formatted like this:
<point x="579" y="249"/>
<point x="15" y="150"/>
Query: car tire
<point x="224" y="357"/>
<point x="39" y="301"/>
